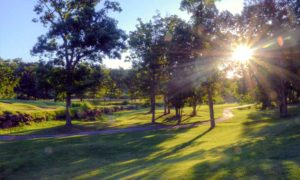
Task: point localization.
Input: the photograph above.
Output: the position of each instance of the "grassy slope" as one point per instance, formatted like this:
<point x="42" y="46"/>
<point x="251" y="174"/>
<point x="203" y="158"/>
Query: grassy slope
<point x="29" y="106"/>
<point x="252" y="145"/>
<point x="117" y="120"/>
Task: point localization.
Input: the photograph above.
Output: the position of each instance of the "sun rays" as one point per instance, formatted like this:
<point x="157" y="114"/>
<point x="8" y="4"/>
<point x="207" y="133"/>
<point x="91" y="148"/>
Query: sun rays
<point x="242" y="54"/>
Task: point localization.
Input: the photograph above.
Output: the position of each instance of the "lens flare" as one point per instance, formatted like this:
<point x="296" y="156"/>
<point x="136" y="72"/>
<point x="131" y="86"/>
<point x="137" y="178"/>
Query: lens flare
<point x="242" y="54"/>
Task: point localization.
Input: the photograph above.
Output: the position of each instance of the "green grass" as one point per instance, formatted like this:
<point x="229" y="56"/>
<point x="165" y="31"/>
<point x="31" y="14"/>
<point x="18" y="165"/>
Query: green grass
<point x="252" y="145"/>
<point x="121" y="119"/>
<point x="29" y="106"/>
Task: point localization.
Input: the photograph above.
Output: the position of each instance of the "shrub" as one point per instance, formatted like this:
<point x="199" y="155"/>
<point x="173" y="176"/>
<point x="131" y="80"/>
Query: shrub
<point x="125" y="102"/>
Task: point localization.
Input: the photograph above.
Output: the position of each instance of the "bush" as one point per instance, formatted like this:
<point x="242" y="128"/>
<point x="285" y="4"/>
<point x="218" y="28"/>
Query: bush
<point x="125" y="102"/>
<point x="82" y="105"/>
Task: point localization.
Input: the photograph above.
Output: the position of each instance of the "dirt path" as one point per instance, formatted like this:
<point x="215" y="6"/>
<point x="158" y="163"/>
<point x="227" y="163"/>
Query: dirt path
<point x="227" y="114"/>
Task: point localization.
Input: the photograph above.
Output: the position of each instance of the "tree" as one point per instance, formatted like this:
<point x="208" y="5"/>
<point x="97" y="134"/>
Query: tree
<point x="133" y="83"/>
<point x="77" y="32"/>
<point x="8" y="79"/>
<point x="46" y="89"/>
<point x="119" y="77"/>
<point x="27" y="86"/>
<point x="181" y="64"/>
<point x="86" y="77"/>
<point x="266" y="19"/>
<point x="204" y="18"/>
<point x="148" y="45"/>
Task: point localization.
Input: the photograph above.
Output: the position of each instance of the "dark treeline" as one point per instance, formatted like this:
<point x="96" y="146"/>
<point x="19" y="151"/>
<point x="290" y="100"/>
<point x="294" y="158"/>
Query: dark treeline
<point x="41" y="80"/>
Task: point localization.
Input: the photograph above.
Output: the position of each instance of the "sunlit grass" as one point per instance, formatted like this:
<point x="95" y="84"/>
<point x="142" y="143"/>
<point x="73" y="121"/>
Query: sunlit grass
<point x="29" y="106"/>
<point x="252" y="145"/>
<point x="121" y="119"/>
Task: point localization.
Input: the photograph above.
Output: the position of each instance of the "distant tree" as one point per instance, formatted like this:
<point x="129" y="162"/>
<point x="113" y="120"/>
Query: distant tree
<point x="77" y="32"/>
<point x="27" y="86"/>
<point x="133" y="84"/>
<point x="86" y="77"/>
<point x="8" y="79"/>
<point x="119" y="77"/>
<point x="46" y="89"/>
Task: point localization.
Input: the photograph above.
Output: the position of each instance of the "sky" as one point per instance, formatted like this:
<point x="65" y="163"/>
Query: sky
<point x="18" y="33"/>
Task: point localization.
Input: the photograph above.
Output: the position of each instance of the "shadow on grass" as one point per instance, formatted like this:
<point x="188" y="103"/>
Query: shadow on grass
<point x="270" y="152"/>
<point x="188" y="143"/>
<point x="140" y="155"/>
<point x="271" y="158"/>
<point x="269" y="123"/>
<point x="121" y="154"/>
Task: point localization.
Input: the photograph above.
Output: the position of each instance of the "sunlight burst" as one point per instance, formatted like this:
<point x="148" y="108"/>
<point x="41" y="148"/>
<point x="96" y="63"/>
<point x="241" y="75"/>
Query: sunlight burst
<point x="242" y="54"/>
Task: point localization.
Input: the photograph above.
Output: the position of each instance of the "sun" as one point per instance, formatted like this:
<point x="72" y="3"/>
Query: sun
<point x="242" y="54"/>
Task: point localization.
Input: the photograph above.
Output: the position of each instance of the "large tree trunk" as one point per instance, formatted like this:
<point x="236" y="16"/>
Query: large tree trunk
<point x="152" y="98"/>
<point x="266" y="102"/>
<point x="165" y="105"/>
<point x="178" y="115"/>
<point x="68" y="114"/>
<point x="153" y="107"/>
<point x="283" y="105"/>
<point x="211" y="107"/>
<point x="194" y="113"/>
<point x="68" y="94"/>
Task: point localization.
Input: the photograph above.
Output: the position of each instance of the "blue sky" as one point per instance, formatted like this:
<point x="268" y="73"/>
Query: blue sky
<point x="18" y="33"/>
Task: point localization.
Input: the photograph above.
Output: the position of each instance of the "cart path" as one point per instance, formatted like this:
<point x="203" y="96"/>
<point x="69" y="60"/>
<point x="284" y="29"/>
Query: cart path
<point x="227" y="114"/>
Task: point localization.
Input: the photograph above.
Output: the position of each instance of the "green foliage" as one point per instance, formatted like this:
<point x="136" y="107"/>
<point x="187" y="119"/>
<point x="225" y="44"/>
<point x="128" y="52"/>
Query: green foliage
<point x="180" y="62"/>
<point x="66" y="22"/>
<point x="8" y="79"/>
<point x="82" y="105"/>
<point x="26" y="88"/>
<point x="77" y="32"/>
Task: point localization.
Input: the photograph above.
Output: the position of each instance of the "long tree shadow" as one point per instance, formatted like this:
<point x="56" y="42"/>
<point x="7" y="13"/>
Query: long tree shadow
<point x="79" y="155"/>
<point x="271" y="158"/>
<point x="112" y="157"/>
<point x="270" y="118"/>
<point x="163" y="115"/>
<point x="188" y="143"/>
<point x="140" y="155"/>
<point x="270" y="152"/>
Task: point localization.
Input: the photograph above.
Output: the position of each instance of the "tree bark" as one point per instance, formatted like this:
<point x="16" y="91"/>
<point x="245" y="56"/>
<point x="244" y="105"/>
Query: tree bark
<point x="152" y="98"/>
<point x="179" y="116"/>
<point x="153" y="107"/>
<point x="68" y="94"/>
<point x="194" y="113"/>
<point x="68" y="114"/>
<point x="283" y="108"/>
<point x="165" y="105"/>
<point x="211" y="107"/>
<point x="283" y="105"/>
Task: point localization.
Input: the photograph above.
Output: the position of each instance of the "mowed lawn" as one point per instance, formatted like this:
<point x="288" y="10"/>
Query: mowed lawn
<point x="251" y="145"/>
<point x="121" y="119"/>
<point x="29" y="106"/>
